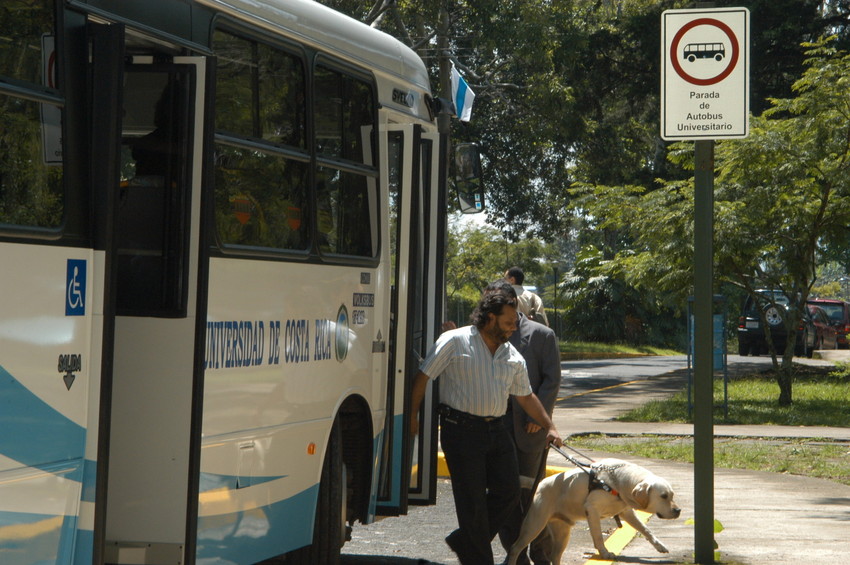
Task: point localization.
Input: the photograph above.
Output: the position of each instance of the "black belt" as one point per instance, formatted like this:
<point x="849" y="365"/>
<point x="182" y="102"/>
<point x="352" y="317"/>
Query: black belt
<point x="459" y="417"/>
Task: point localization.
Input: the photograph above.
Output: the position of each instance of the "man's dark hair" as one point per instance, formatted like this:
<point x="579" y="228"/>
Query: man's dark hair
<point x="495" y="297"/>
<point x="516" y="274"/>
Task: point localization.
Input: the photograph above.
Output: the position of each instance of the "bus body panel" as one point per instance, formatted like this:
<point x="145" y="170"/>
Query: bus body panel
<point x="327" y="30"/>
<point x="291" y="343"/>
<point x="284" y="340"/>
<point x="48" y="382"/>
<point x="283" y="352"/>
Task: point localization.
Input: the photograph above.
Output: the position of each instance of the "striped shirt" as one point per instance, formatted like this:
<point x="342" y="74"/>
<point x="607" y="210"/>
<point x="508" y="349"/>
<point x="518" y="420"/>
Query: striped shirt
<point x="471" y="378"/>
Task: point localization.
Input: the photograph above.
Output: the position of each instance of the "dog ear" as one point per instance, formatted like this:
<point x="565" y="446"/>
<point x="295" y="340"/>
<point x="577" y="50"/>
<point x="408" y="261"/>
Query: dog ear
<point x="641" y="494"/>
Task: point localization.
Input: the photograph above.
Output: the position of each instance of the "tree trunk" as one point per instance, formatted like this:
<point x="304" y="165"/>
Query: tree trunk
<point x="783" y="379"/>
<point x="785" y="372"/>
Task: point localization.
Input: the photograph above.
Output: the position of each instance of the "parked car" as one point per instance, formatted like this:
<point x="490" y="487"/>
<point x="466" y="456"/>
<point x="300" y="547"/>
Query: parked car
<point x="774" y="304"/>
<point x="839" y="314"/>
<point x="819" y="325"/>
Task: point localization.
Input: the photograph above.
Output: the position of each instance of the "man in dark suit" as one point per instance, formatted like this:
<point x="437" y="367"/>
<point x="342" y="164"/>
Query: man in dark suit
<point x="539" y="346"/>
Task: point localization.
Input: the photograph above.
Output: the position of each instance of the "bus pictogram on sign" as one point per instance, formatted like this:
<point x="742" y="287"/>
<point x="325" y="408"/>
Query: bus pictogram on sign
<point x="715" y="51"/>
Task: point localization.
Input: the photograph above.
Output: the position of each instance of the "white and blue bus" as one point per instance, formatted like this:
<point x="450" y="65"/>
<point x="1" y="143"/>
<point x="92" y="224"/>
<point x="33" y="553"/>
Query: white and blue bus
<point x="221" y="238"/>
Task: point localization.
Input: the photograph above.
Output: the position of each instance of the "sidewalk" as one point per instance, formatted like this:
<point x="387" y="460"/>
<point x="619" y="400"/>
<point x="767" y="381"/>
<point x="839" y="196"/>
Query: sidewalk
<point x="768" y="518"/>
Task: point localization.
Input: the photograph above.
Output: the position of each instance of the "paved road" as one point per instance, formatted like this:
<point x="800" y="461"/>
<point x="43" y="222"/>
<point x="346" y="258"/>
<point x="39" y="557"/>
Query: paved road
<point x="419" y="535"/>
<point x="408" y="540"/>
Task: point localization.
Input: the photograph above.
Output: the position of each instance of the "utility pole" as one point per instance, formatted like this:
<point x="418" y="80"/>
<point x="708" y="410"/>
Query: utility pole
<point x="444" y="119"/>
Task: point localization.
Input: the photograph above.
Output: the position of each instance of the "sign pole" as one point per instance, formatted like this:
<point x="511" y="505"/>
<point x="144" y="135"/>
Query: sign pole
<point x="703" y="351"/>
<point x="704" y="97"/>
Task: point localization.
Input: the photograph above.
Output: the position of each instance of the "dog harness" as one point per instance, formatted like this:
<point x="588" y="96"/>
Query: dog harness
<point x="595" y="483"/>
<point x="592" y="471"/>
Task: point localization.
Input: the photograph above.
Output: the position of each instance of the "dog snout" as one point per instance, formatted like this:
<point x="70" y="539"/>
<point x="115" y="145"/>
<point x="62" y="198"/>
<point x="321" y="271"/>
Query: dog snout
<point x="673" y="513"/>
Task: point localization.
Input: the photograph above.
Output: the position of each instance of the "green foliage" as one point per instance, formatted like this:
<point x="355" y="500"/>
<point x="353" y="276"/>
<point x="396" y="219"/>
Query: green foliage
<point x="568" y="92"/>
<point x="478" y="255"/>
<point x="782" y="195"/>
<point x="603" y="304"/>
<point x="588" y="349"/>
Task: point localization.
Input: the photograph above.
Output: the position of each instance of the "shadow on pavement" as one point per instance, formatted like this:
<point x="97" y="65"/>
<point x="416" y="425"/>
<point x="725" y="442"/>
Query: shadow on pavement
<point x="378" y="560"/>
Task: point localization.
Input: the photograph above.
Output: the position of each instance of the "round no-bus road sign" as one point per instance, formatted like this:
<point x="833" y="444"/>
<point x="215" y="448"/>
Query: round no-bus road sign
<point x="705" y="73"/>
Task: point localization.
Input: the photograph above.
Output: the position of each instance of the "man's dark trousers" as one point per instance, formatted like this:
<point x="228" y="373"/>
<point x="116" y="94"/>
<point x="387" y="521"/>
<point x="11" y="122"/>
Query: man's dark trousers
<point x="485" y="483"/>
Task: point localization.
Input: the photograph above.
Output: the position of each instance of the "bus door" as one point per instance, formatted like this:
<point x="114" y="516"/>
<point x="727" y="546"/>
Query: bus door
<point x="150" y="415"/>
<point x="408" y="467"/>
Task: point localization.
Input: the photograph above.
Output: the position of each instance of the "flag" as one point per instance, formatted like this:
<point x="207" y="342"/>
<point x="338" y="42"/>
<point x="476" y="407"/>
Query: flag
<point x="462" y="96"/>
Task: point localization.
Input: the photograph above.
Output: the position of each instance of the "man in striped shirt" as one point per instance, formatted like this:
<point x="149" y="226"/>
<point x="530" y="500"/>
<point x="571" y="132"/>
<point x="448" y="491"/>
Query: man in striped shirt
<point x="479" y="371"/>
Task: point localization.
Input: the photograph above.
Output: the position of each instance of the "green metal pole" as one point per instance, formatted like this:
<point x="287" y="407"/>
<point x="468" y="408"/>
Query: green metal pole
<point x="703" y="351"/>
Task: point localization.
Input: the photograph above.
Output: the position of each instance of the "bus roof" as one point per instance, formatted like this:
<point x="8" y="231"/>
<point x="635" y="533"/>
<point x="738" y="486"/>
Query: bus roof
<point x="327" y="29"/>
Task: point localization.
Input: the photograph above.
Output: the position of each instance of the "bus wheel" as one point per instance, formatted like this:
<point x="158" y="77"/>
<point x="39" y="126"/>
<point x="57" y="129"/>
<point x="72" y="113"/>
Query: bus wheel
<point x="329" y="527"/>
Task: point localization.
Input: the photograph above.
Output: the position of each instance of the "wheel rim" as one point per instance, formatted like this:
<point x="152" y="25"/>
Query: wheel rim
<point x="773" y="317"/>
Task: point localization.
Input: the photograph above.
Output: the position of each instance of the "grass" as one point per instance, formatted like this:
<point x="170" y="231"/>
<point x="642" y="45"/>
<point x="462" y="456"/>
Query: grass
<point x="821" y="398"/>
<point x="584" y="349"/>
<point x="810" y="458"/>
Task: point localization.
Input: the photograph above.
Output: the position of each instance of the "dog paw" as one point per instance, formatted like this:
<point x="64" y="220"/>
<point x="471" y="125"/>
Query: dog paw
<point x="660" y="546"/>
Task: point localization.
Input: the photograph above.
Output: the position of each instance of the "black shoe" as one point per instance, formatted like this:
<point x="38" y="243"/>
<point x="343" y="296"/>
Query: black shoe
<point x="455" y="543"/>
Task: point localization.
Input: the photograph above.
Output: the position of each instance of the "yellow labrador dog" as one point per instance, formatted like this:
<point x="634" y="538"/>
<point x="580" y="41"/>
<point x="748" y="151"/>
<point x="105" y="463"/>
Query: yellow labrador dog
<point x="610" y="488"/>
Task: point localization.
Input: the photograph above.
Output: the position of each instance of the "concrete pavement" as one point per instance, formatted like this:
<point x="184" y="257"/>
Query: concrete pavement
<point x="768" y="518"/>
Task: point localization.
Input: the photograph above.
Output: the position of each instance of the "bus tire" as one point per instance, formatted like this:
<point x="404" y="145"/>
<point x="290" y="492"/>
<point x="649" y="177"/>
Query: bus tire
<point x="328" y="528"/>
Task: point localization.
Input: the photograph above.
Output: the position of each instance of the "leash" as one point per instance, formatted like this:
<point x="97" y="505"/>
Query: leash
<point x="580" y="464"/>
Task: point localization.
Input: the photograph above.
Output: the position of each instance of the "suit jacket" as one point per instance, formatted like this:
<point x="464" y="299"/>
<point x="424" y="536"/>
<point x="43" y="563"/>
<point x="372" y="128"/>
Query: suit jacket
<point x="539" y="346"/>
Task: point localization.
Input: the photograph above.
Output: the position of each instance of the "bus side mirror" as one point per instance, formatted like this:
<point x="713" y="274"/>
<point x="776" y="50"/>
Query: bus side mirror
<point x="467" y="175"/>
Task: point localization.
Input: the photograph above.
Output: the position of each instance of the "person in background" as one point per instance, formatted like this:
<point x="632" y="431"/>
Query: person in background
<point x="528" y="303"/>
<point x="479" y="371"/>
<point x="539" y="347"/>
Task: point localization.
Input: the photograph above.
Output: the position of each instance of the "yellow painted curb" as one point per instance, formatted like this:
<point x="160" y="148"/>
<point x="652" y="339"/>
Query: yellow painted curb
<point x="615" y="543"/>
<point x="442" y="468"/>
<point x="618" y="541"/>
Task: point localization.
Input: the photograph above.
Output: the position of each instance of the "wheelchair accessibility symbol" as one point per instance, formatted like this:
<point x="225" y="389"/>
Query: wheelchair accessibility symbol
<point x="75" y="288"/>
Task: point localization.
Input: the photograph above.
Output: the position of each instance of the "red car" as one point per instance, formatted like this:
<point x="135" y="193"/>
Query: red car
<point x="819" y="325"/>
<point x="838" y="312"/>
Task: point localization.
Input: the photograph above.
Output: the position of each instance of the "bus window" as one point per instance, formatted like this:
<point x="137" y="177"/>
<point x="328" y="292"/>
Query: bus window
<point x="31" y="190"/>
<point x="259" y="199"/>
<point x="344" y="108"/>
<point x="31" y="173"/>
<point x="345" y="214"/>
<point x="261" y="164"/>
<point x="260" y="91"/>
<point x="152" y="195"/>
<point x="23" y="27"/>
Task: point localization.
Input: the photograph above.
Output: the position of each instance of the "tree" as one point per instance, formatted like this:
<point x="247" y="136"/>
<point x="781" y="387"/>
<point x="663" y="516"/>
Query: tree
<point x="478" y="255"/>
<point x="568" y="91"/>
<point x="782" y="197"/>
<point x="786" y="189"/>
